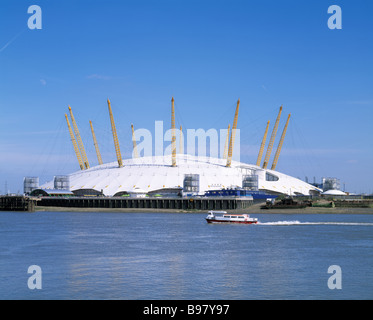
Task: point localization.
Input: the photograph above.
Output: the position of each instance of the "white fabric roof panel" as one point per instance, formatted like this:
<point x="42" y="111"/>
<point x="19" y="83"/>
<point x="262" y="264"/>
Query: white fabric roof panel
<point x="153" y="173"/>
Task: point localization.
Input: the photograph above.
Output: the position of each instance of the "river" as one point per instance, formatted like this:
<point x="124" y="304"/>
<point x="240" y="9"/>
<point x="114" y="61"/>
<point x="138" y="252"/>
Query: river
<point x="161" y="256"/>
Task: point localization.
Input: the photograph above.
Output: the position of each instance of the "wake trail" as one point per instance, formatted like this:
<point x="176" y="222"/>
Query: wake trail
<point x="297" y="223"/>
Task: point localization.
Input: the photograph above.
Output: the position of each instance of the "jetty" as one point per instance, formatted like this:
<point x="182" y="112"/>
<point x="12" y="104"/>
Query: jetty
<point x="18" y="203"/>
<point x="154" y="203"/>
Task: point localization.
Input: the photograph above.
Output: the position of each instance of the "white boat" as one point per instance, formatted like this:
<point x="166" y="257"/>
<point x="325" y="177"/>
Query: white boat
<point x="224" y="217"/>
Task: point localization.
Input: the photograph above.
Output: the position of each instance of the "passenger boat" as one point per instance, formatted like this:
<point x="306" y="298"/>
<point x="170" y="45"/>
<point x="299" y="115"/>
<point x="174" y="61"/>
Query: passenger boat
<point x="224" y="217"/>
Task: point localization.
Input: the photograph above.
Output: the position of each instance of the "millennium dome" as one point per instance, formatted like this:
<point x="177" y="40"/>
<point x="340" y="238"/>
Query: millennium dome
<point x="178" y="174"/>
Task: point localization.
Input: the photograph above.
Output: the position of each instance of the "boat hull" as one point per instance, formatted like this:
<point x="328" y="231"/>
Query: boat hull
<point x="227" y="221"/>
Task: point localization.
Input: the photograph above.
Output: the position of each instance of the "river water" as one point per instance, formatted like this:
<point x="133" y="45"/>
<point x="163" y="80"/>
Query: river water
<point x="161" y="256"/>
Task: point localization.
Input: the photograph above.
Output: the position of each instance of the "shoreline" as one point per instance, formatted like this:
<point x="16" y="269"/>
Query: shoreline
<point x="254" y="209"/>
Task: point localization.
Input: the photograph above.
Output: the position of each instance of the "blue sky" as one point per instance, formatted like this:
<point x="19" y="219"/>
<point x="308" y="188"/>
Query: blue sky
<point x="206" y="54"/>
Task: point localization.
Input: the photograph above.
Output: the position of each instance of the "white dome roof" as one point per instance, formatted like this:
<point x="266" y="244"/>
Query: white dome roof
<point x="156" y="173"/>
<point x="334" y="192"/>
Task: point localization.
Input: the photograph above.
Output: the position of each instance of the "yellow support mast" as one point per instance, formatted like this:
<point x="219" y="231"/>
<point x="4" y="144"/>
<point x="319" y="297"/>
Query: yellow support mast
<point x="135" y="153"/>
<point x="225" y="154"/>
<point x="274" y="164"/>
<point x="75" y="145"/>
<point x="115" y="136"/>
<point x="96" y="144"/>
<point x="79" y="139"/>
<point x="260" y="155"/>
<point x="273" y="136"/>
<point x="173" y="130"/>
<point x="233" y="133"/>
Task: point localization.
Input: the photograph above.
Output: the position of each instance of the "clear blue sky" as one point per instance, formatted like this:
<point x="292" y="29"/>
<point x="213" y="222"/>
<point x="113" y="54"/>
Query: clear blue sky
<point x="206" y="54"/>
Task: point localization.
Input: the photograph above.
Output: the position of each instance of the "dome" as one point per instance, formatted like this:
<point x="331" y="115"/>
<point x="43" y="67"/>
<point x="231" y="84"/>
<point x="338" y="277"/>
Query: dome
<point x="334" y="192"/>
<point x="193" y="174"/>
